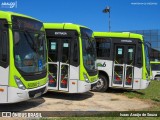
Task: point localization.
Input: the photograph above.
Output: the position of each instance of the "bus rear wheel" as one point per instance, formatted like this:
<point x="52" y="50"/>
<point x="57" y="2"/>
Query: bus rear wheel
<point x="102" y="84"/>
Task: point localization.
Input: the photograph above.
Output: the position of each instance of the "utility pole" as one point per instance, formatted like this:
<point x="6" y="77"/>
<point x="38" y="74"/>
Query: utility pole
<point x="107" y="10"/>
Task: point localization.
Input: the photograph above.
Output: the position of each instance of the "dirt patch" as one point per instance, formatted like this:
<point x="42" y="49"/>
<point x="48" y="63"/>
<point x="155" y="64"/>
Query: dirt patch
<point x="90" y="101"/>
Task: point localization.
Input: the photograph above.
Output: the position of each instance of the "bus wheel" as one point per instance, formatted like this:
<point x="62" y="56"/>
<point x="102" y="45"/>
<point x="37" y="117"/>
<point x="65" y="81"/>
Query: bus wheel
<point x="102" y="84"/>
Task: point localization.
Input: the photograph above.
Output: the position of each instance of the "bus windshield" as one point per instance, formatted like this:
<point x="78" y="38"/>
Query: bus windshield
<point x="29" y="45"/>
<point x="89" y="49"/>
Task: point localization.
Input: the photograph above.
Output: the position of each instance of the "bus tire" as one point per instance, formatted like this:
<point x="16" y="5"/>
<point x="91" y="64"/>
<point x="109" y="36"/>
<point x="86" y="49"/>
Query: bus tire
<point x="102" y="84"/>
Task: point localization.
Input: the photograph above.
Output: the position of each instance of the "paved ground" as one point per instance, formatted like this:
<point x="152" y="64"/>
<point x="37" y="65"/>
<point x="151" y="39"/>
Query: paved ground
<point x="90" y="101"/>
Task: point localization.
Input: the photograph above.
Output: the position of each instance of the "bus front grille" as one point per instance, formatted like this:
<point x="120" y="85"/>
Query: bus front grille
<point x="36" y="93"/>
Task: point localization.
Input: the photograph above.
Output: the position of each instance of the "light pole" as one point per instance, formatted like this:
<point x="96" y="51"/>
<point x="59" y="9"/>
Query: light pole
<point x="107" y="10"/>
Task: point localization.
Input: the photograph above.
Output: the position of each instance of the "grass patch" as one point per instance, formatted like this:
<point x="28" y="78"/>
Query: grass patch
<point x="152" y="94"/>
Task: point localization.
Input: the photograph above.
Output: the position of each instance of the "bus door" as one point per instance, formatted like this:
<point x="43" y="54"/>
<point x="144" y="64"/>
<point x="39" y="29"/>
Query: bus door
<point x="58" y="60"/>
<point x="123" y="66"/>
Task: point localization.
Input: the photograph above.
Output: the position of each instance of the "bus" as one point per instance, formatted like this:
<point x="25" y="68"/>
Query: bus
<point x="71" y="57"/>
<point x="123" y="61"/>
<point x="23" y="58"/>
<point x="155" y="67"/>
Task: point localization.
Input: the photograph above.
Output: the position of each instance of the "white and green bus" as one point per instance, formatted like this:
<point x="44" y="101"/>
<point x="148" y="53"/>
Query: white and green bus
<point x="23" y="58"/>
<point x="71" y="57"/>
<point x="155" y="67"/>
<point x="123" y="61"/>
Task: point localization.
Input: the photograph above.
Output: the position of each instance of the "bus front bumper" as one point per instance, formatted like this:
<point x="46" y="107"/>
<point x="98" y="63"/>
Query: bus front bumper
<point x="145" y="84"/>
<point x="90" y="85"/>
<point x="82" y="87"/>
<point x="17" y="95"/>
<point x="93" y="85"/>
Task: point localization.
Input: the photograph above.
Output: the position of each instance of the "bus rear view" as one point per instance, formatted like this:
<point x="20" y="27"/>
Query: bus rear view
<point x="71" y="57"/>
<point x="123" y="61"/>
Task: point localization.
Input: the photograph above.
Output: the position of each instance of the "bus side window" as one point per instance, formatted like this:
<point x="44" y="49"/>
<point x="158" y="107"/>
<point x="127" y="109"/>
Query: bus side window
<point x="0" y="47"/>
<point x="3" y="49"/>
<point x="103" y="49"/>
<point x="139" y="56"/>
<point x="75" y="53"/>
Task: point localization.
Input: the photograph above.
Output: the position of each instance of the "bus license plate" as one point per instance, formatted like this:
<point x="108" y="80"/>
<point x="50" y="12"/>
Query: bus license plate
<point x="37" y="95"/>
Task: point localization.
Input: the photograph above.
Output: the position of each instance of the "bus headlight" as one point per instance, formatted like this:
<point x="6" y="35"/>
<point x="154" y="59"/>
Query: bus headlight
<point x="86" y="78"/>
<point x="19" y="83"/>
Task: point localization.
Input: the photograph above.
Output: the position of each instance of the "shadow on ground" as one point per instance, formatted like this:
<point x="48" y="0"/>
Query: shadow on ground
<point x="21" y="106"/>
<point x="68" y="96"/>
<point x="116" y="90"/>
